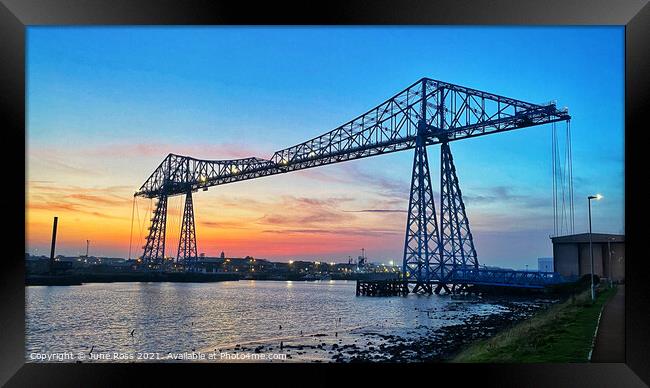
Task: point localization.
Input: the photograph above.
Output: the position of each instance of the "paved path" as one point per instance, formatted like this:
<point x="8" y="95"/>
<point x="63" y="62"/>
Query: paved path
<point x="610" y="339"/>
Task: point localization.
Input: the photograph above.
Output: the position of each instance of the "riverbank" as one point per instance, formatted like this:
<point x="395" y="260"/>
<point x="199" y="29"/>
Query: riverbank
<point x="563" y="333"/>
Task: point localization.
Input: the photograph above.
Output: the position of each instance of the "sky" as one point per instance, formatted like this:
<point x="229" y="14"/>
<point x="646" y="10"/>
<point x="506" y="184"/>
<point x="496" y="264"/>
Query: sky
<point x="105" y="105"/>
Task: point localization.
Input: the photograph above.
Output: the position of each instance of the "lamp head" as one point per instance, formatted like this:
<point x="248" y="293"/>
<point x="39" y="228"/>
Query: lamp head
<point x="597" y="197"/>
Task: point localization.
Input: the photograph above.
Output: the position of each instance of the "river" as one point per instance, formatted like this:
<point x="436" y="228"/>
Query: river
<point x="315" y="321"/>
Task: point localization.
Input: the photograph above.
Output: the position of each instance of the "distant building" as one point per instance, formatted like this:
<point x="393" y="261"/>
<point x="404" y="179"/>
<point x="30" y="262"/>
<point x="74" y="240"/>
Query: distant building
<point x="223" y="255"/>
<point x="545" y="264"/>
<point x="571" y="255"/>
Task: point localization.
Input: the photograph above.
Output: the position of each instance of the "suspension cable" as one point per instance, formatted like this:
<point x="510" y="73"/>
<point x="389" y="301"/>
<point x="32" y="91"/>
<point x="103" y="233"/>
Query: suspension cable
<point x="137" y="214"/>
<point x="563" y="192"/>
<point x="562" y="184"/>
<point x="131" y="233"/>
<point x="553" y="163"/>
<point x="568" y="124"/>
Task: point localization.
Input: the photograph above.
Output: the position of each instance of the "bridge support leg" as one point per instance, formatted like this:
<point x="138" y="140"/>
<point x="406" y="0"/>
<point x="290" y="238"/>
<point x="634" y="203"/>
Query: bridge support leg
<point x="153" y="255"/>
<point x="440" y="287"/>
<point x="456" y="238"/>
<point x="421" y="250"/>
<point x="187" y="250"/>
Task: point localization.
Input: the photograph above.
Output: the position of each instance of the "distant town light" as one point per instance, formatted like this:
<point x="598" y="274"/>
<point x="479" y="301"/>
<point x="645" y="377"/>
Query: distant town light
<point x="390" y="263"/>
<point x="290" y="262"/>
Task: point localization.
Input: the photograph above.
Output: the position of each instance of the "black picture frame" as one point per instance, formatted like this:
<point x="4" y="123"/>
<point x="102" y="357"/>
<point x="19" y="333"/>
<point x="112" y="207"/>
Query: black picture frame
<point x="16" y="15"/>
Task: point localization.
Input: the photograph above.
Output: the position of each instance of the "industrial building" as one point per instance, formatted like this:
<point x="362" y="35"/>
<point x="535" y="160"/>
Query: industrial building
<point x="571" y="255"/>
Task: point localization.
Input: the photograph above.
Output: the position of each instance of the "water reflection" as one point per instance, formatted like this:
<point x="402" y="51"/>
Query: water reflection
<point x="179" y="317"/>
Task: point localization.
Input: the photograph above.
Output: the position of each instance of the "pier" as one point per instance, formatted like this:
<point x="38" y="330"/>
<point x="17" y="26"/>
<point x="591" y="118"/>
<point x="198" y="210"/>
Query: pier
<point x="382" y="288"/>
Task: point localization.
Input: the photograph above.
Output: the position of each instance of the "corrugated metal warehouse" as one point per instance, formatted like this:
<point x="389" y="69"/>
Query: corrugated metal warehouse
<point x="571" y="255"/>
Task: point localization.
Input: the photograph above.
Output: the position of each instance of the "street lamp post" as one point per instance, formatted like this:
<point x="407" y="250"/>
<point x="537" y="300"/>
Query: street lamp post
<point x="609" y="260"/>
<point x="591" y="250"/>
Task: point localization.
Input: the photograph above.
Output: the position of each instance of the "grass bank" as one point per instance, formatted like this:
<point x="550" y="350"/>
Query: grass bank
<point x="563" y="333"/>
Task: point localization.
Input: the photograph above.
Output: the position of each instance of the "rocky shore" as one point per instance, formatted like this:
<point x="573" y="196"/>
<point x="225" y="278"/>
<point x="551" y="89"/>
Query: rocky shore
<point x="422" y="343"/>
<point x="441" y="344"/>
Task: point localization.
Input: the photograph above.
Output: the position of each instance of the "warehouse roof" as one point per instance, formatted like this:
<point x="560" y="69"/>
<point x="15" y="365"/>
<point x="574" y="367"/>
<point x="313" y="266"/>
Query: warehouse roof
<point x="584" y="238"/>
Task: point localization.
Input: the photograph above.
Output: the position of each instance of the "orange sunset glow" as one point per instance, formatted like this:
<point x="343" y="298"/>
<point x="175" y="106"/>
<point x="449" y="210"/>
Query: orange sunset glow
<point x="280" y="223"/>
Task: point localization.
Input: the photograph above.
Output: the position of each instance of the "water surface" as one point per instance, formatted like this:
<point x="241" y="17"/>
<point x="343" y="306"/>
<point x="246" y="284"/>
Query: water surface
<point x="183" y="317"/>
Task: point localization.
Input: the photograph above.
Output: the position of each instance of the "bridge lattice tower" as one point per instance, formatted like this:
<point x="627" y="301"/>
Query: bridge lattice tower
<point x="187" y="250"/>
<point x="153" y="254"/>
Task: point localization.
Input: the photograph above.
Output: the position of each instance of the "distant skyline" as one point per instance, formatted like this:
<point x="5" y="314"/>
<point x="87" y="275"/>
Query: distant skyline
<point x="106" y="104"/>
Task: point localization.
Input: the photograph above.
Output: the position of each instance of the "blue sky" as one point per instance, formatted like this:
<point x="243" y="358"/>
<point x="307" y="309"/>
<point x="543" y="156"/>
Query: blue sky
<point x="105" y="105"/>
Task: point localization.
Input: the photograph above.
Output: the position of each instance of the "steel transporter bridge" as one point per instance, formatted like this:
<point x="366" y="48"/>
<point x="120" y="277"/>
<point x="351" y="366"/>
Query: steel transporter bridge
<point x="428" y="112"/>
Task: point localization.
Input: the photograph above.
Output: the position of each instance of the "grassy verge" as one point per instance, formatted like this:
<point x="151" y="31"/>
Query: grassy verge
<point x="563" y="333"/>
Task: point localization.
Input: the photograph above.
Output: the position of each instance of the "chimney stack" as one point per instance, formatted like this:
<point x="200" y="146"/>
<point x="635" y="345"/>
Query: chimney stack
<point x="56" y="219"/>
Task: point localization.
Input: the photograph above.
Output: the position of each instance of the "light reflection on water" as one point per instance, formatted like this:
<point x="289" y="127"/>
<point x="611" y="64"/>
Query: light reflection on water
<point x="181" y="317"/>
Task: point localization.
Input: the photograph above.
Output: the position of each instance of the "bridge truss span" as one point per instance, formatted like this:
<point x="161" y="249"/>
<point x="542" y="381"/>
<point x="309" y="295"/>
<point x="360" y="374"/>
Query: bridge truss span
<point x="448" y="112"/>
<point x="427" y="112"/>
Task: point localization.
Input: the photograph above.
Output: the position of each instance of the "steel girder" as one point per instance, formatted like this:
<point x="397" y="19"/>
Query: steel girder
<point x="507" y="278"/>
<point x="187" y="249"/>
<point x="449" y="112"/>
<point x="456" y="240"/>
<point x="421" y="246"/>
<point x="153" y="255"/>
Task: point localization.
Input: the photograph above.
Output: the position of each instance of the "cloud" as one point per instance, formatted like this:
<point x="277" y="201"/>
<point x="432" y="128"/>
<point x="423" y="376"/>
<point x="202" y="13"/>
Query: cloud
<point x="106" y="200"/>
<point x="393" y="189"/>
<point x="331" y="201"/>
<point x="494" y="194"/>
<point x="225" y="224"/>
<point x="504" y="194"/>
<point x="376" y="211"/>
<point x="34" y="185"/>
<point x="310" y="217"/>
<point x="70" y="207"/>
<point x="197" y="150"/>
<point x="387" y="187"/>
<point x="321" y="176"/>
<point x="337" y="231"/>
<point x="54" y="161"/>
<point x="97" y="201"/>
<point x="299" y="212"/>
